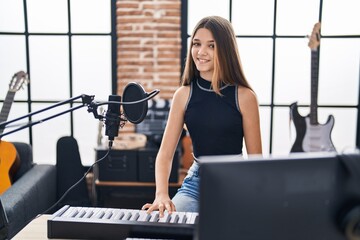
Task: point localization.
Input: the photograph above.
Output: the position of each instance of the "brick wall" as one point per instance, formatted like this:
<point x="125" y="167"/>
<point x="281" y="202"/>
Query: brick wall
<point x="149" y="45"/>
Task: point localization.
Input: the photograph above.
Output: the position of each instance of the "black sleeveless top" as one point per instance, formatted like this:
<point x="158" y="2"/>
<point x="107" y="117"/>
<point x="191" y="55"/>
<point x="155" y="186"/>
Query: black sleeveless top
<point x="214" y="122"/>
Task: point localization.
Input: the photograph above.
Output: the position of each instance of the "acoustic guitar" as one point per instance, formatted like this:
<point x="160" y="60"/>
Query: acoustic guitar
<point x="310" y="135"/>
<point x="9" y="160"/>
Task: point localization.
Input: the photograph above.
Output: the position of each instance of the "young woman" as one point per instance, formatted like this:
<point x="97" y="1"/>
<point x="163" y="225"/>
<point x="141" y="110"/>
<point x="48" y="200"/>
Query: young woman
<point x="217" y="106"/>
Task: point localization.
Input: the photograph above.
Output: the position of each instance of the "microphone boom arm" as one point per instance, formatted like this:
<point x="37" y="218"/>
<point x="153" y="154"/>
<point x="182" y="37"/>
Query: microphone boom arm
<point x="86" y="101"/>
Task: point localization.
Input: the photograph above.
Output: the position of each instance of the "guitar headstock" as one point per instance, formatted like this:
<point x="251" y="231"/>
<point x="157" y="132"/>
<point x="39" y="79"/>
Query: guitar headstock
<point x="314" y="40"/>
<point x="18" y="80"/>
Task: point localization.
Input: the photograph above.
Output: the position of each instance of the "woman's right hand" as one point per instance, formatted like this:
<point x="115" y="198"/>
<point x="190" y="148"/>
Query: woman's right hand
<point x="161" y="203"/>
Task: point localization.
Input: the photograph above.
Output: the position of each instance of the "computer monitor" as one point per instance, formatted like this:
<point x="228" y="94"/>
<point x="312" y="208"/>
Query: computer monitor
<point x="300" y="196"/>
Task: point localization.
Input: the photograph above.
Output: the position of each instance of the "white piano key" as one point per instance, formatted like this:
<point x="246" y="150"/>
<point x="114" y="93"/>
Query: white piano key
<point x="95" y="212"/>
<point x="81" y="213"/>
<point x="114" y="212"/>
<point x="108" y="214"/>
<point x="144" y="216"/>
<point x="74" y="213"/>
<point x="174" y="217"/>
<point x="165" y="218"/>
<point x="127" y="216"/>
<point x="154" y="216"/>
<point x="68" y="212"/>
<point x="191" y="217"/>
<point x="89" y="213"/>
<point x="182" y="217"/>
<point x="119" y="215"/>
<point x="135" y="215"/>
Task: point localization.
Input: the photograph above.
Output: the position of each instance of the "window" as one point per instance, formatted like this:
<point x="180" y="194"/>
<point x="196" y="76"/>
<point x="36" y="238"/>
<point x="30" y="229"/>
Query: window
<point x="66" y="48"/>
<point x="277" y="61"/>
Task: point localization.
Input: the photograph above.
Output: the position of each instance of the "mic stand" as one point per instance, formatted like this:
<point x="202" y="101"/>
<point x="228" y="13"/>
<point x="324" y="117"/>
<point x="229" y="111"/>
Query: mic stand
<point x="87" y="100"/>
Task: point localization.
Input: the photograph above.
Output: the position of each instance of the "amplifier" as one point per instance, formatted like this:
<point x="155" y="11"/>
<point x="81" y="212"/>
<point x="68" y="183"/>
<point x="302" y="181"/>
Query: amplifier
<point x="120" y="165"/>
<point x="146" y="165"/>
<point x="132" y="165"/>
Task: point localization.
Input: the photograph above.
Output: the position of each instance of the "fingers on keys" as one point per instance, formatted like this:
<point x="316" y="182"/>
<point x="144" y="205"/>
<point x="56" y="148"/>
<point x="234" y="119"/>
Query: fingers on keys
<point x="161" y="207"/>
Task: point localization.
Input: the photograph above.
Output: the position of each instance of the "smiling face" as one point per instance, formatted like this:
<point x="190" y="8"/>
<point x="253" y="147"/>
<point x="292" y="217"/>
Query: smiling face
<point x="202" y="52"/>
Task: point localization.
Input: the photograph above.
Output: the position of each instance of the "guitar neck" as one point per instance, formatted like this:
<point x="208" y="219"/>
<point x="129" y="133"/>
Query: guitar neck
<point x="6" y="107"/>
<point x="314" y="86"/>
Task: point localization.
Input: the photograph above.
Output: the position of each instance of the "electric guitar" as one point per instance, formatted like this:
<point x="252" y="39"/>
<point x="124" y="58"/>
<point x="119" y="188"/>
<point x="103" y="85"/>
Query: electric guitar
<point x="9" y="160"/>
<point x="310" y="135"/>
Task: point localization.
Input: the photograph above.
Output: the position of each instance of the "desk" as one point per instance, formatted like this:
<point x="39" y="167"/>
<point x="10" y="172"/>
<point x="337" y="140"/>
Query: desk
<point x="99" y="183"/>
<point x="35" y="230"/>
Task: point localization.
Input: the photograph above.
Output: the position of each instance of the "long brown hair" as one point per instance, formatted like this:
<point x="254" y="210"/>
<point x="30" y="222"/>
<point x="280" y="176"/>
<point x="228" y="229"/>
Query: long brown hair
<point x="227" y="64"/>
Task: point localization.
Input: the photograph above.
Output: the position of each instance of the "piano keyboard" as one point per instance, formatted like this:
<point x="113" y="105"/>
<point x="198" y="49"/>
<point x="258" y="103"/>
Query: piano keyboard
<point x="112" y="223"/>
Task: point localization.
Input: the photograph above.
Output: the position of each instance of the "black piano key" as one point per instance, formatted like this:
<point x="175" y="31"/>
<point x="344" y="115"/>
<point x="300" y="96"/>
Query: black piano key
<point x="81" y="213"/>
<point x="144" y="216"/>
<point x="119" y="215"/>
<point x="135" y="216"/>
<point x="154" y="216"/>
<point x="165" y="218"/>
<point x="108" y="214"/>
<point x="88" y="213"/>
<point x="182" y="217"/>
<point x="174" y="217"/>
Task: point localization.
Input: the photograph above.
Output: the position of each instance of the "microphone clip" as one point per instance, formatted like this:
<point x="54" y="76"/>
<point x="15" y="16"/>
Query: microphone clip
<point x="92" y="108"/>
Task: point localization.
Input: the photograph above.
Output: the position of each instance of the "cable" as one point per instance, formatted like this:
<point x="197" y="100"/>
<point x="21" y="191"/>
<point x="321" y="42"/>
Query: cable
<point x="73" y="186"/>
<point x="150" y="95"/>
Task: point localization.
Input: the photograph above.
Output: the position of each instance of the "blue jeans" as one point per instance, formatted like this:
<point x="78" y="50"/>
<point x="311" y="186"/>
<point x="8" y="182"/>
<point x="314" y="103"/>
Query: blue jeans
<point x="187" y="197"/>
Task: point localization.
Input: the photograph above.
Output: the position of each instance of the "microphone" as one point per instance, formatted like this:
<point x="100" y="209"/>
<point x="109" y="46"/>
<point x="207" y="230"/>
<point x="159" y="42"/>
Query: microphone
<point x="135" y="107"/>
<point x="112" y="118"/>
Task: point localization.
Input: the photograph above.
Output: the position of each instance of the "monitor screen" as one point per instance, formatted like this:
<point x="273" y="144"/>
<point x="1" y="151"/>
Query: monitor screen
<point x="299" y="196"/>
